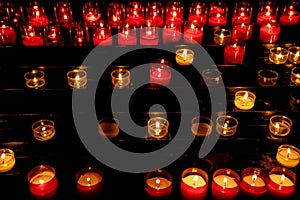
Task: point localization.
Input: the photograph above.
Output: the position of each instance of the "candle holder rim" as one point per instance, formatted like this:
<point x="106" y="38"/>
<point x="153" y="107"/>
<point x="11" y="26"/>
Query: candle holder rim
<point x="159" y="118"/>
<point x="165" y="173"/>
<point x="295" y="68"/>
<point x="38" y="169"/>
<point x="286" y="171"/>
<point x="189" y="51"/>
<point x="42" y="120"/>
<point x="228" y="172"/>
<point x="77" y="71"/>
<point x="294" y="47"/>
<point x="284" y="146"/>
<point x="253" y="170"/>
<point x="127" y="72"/>
<point x="202" y="117"/>
<point x="89" y="169"/>
<point x="282" y="50"/>
<point x="34" y="71"/>
<point x="284" y="119"/>
<point x="268" y="71"/>
<point x="210" y="71"/>
<point x="219" y="31"/>
<point x="199" y="171"/>
<point x="236" y="122"/>
<point x="238" y="93"/>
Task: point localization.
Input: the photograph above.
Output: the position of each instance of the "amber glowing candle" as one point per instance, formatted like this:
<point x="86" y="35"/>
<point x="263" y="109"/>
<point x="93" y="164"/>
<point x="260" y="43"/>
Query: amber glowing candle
<point x="158" y="184"/>
<point x="120" y="78"/>
<point x="222" y="36"/>
<point x="294" y="54"/>
<point x="109" y="127"/>
<point x="295" y="76"/>
<point x="184" y="57"/>
<point x="244" y="100"/>
<point x="77" y="78"/>
<point x="43" y="129"/>
<point x="280" y="125"/>
<point x="226" y="125"/>
<point x="288" y="155"/>
<point x="158" y="127"/>
<point x="35" y="79"/>
<point x="7" y="160"/>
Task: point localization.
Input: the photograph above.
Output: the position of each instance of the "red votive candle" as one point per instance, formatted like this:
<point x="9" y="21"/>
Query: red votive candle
<point x="242" y="13"/>
<point x="267" y="12"/>
<point x="269" y="32"/>
<point x="7" y="35"/>
<point x="36" y="15"/>
<point x="241" y="32"/>
<point x="225" y="184"/>
<point x="102" y="34"/>
<point x="194" y="184"/>
<point x="282" y="183"/>
<point x="135" y="13"/>
<point x="43" y="183"/>
<point x="254" y="183"/>
<point x="158" y="184"/>
<point x="234" y="54"/>
<point x="290" y="15"/>
<point x="217" y="14"/>
<point x="174" y="13"/>
<point x="198" y="12"/>
<point x="155" y="12"/>
<point x="193" y="32"/>
<point x="32" y="36"/>
<point x="160" y="73"/>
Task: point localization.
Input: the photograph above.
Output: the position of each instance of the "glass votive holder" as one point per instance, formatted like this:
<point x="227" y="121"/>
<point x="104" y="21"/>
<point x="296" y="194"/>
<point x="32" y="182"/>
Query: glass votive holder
<point x="241" y="32"/>
<point x="115" y="14"/>
<point x="217" y="15"/>
<point x="295" y="99"/>
<point x="294" y="55"/>
<point x="244" y="100"/>
<point x="267" y="11"/>
<point x="193" y="32"/>
<point x="135" y="13"/>
<point x="198" y="12"/>
<point x="158" y="127"/>
<point x="280" y="125"/>
<point x="174" y="13"/>
<point x="160" y="73"/>
<point x="36" y="14"/>
<point x="43" y="129"/>
<point x="201" y="126"/>
<point x="127" y="35"/>
<point x="77" y="78"/>
<point x="290" y="15"/>
<point x="184" y="57"/>
<point x="155" y="12"/>
<point x="91" y="11"/>
<point x="102" y="35"/>
<point x="278" y="55"/>
<point x="43" y="182"/>
<point x="288" y="155"/>
<point x="12" y="12"/>
<point x="7" y="158"/>
<point x="267" y="77"/>
<point x="222" y="36"/>
<point x="149" y="33"/>
<point x="79" y="34"/>
<point x="282" y="183"/>
<point x="226" y="125"/>
<point x="32" y="36"/>
<point x="120" y="78"/>
<point x="242" y="12"/>
<point x="211" y="76"/>
<point x="269" y="31"/>
<point x="158" y="183"/>
<point x="171" y="33"/>
<point x="63" y="12"/>
<point x="35" y="79"/>
<point x="109" y="127"/>
<point x="295" y="76"/>
<point x="54" y="36"/>
<point x="89" y="182"/>
<point x="234" y="54"/>
<point x="7" y="34"/>
<point x="194" y="184"/>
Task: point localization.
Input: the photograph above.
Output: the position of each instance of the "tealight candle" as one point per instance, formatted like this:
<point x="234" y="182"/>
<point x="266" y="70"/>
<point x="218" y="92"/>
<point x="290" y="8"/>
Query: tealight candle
<point x="7" y="34"/>
<point x="120" y="78"/>
<point x="241" y="32"/>
<point x="269" y="32"/>
<point x="194" y="184"/>
<point x="225" y="184"/>
<point x="160" y="73"/>
<point x="36" y="15"/>
<point x="222" y="36"/>
<point x="198" y="12"/>
<point x="115" y="13"/>
<point x="242" y="12"/>
<point x="280" y="125"/>
<point x="155" y="12"/>
<point x="267" y="77"/>
<point x="158" y="184"/>
<point x="295" y="99"/>
<point x="32" y="36"/>
<point x="193" y="32"/>
<point x="158" y="127"/>
<point x="234" y="54"/>
<point x="288" y="155"/>
<point x="43" y="129"/>
<point x="267" y="11"/>
<point x="127" y="35"/>
<point x="295" y="76"/>
<point x="102" y="34"/>
<point x="171" y="33"/>
<point x="35" y="79"/>
<point x="278" y="55"/>
<point x="43" y="183"/>
<point x="77" y="78"/>
<point x="254" y="183"/>
<point x="217" y="14"/>
<point x="135" y="13"/>
<point x="91" y="11"/>
<point x="149" y="33"/>
<point x="7" y="160"/>
<point x="290" y="15"/>
<point x="89" y="182"/>
<point x="244" y="100"/>
<point x="282" y="183"/>
<point x="294" y="55"/>
<point x="184" y="57"/>
<point x="109" y="127"/>
<point x="211" y="77"/>
<point x="226" y="125"/>
<point x="201" y="126"/>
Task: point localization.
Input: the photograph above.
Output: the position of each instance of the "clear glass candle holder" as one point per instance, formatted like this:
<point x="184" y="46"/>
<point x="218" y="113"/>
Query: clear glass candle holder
<point x="43" y="129"/>
<point x="201" y="126"/>
<point x="294" y="55"/>
<point x="135" y="13"/>
<point x="120" y="78"/>
<point x="278" y="55"/>
<point x="295" y="99"/>
<point x="193" y="32"/>
<point x="267" y="77"/>
<point x="295" y="76"/>
<point x="77" y="78"/>
<point x="244" y="100"/>
<point x="7" y="34"/>
<point x="109" y="127"/>
<point x="158" y="127"/>
<point x="54" y="36"/>
<point x="242" y="12"/>
<point x="198" y="12"/>
<point x="267" y="11"/>
<point x="184" y="57"/>
<point x="291" y="13"/>
<point x="32" y="36"/>
<point x="217" y="15"/>
<point x="91" y="11"/>
<point x="35" y="79"/>
<point x="222" y="37"/>
<point x="115" y="14"/>
<point x="8" y="160"/>
<point x="280" y="125"/>
<point x="226" y="125"/>
<point x="211" y="76"/>
<point x="149" y="33"/>
<point x="155" y="11"/>
<point x="63" y="12"/>
<point x="288" y="155"/>
<point x="174" y="13"/>
<point x="36" y="14"/>
<point x="158" y="183"/>
<point x="269" y="32"/>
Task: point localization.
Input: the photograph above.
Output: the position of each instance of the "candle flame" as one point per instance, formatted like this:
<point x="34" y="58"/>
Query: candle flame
<point x="157" y="124"/>
<point x="149" y="24"/>
<point x="192" y="26"/>
<point x="254" y="177"/>
<point x="174" y="14"/>
<point x="88" y="179"/>
<point x="195" y="179"/>
<point x="157" y="183"/>
<point x="225" y="128"/>
<point x="115" y="18"/>
<point x="162" y="61"/>
<point x="234" y="45"/>
<point x="184" y="54"/>
<point x="298" y="75"/>
<point x="279" y="55"/>
<point x="2" y="157"/>
<point x="218" y="15"/>
<point x="120" y="76"/>
<point x="288" y="153"/>
<point x="225" y="183"/>
<point x="65" y="17"/>
<point x="41" y="181"/>
<point x="37" y="13"/>
<point x="281" y="181"/>
<point x="35" y="80"/>
<point x="245" y="97"/>
<point x="297" y="54"/>
<point x="222" y="35"/>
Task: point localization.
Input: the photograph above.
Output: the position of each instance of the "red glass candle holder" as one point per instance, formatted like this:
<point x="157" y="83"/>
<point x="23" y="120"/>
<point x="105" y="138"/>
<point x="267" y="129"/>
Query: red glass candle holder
<point x="91" y="11"/>
<point x="135" y="13"/>
<point x="79" y="34"/>
<point x="149" y="33"/>
<point x="217" y="14"/>
<point x="242" y="13"/>
<point x="254" y="183"/>
<point x="290" y="15"/>
<point x="32" y="36"/>
<point x="12" y="12"/>
<point x="36" y="15"/>
<point x="102" y="34"/>
<point x="225" y="184"/>
<point x="43" y="183"/>
<point x="193" y="32"/>
<point x="54" y="36"/>
<point x="171" y="33"/>
<point x="63" y="13"/>
<point x="234" y="54"/>
<point x="155" y="12"/>
<point x="241" y="32"/>
<point x="89" y="182"/>
<point x="194" y="184"/>
<point x="160" y="73"/>
<point x="158" y="184"/>
<point x="174" y="13"/>
<point x="115" y="14"/>
<point x="198" y="12"/>
<point x="267" y="11"/>
<point x="7" y="34"/>
<point x="282" y="183"/>
<point x="269" y="32"/>
<point x="127" y="34"/>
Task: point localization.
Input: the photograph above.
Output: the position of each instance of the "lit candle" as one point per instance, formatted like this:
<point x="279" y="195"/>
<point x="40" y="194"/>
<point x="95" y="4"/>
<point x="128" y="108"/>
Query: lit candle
<point x="158" y="127"/>
<point x="295" y="76"/>
<point x="193" y="32"/>
<point x="158" y="184"/>
<point x="77" y="78"/>
<point x="171" y="33"/>
<point x="288" y="156"/>
<point x="198" y="12"/>
<point x="43" y="129"/>
<point x="127" y="36"/>
<point x="234" y="54"/>
<point x="280" y="125"/>
<point x="222" y="36"/>
<point x="267" y="12"/>
<point x="63" y="12"/>
<point x="194" y="184"/>
<point x="37" y="17"/>
<point x="102" y="35"/>
<point x="278" y="55"/>
<point x="244" y="100"/>
<point x="184" y="57"/>
<point x="226" y="125"/>
<point x="201" y="126"/>
<point x="155" y="12"/>
<point x="89" y="182"/>
<point x="109" y="127"/>
<point x="160" y="73"/>
<point x="120" y="78"/>
<point x="294" y="54"/>
<point x="290" y="15"/>
<point x="149" y="33"/>
<point x="174" y="13"/>
<point x="269" y="32"/>
<point x="35" y="79"/>
<point x="91" y="11"/>
<point x="218" y="14"/>
<point x="32" y="37"/>
<point x="241" y="32"/>
<point x="115" y="13"/>
<point x="43" y="183"/>
<point x="135" y="13"/>
<point x="7" y="35"/>
<point x="7" y="160"/>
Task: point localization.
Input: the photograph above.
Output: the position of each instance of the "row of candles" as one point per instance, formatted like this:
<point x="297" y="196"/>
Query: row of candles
<point x="226" y="184"/>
